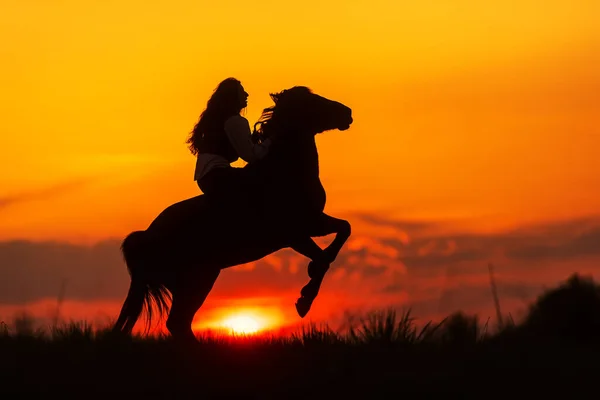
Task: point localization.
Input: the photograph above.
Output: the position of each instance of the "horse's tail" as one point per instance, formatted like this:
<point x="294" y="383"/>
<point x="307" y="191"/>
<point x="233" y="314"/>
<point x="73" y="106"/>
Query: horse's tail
<point x="144" y="293"/>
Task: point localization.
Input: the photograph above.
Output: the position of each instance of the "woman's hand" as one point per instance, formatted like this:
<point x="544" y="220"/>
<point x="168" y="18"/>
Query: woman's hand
<point x="257" y="137"/>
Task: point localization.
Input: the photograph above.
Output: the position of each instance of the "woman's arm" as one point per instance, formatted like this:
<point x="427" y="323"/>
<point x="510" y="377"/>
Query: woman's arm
<point x="239" y="134"/>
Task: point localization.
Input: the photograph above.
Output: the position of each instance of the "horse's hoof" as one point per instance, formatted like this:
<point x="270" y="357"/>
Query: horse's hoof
<point x="311" y="289"/>
<point x="303" y="306"/>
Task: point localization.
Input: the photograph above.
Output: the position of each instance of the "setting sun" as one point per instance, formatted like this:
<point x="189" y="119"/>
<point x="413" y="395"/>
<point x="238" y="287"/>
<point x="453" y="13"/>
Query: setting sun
<point x="243" y="324"/>
<point x="240" y="320"/>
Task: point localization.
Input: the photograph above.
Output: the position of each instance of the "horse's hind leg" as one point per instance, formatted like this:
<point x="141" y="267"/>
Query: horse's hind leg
<point x="187" y="299"/>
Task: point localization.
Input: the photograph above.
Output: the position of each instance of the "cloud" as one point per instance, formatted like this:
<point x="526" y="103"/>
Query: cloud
<point x="401" y="225"/>
<point x="432" y="273"/>
<point x="31" y="271"/>
<point x="561" y="240"/>
<point x="586" y="243"/>
<point x="41" y="194"/>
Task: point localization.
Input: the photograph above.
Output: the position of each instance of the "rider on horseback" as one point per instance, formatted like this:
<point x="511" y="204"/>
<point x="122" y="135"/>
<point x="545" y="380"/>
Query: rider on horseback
<point x="175" y="257"/>
<point x="220" y="137"/>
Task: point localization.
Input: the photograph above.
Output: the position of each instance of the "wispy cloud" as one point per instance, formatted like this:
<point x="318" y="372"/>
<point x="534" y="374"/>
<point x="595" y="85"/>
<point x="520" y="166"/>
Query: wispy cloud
<point x="42" y="194"/>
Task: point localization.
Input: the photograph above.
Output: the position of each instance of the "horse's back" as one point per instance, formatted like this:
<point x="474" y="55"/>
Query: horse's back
<point x="200" y="220"/>
<point x="200" y="231"/>
<point x="177" y="216"/>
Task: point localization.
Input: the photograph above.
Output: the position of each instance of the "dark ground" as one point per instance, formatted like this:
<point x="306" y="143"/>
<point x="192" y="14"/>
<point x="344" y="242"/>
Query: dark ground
<point x="553" y="352"/>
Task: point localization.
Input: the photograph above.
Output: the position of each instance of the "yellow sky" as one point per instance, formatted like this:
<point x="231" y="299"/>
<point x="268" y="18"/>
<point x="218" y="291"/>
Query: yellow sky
<point x="463" y="109"/>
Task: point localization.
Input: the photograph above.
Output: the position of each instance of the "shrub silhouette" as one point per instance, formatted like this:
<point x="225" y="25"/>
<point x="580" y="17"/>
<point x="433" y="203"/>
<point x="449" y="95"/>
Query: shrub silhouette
<point x="461" y="330"/>
<point x="387" y="327"/>
<point x="571" y="311"/>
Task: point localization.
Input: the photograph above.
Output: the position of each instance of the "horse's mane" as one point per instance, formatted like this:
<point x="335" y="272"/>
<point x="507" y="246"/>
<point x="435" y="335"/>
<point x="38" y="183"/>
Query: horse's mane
<point x="284" y="101"/>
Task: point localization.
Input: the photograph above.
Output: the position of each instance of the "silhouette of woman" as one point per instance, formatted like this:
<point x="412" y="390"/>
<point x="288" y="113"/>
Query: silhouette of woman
<point x="220" y="137"/>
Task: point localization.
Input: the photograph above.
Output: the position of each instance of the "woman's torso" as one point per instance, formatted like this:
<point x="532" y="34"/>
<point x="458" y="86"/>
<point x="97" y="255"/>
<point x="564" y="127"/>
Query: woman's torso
<point x="216" y="151"/>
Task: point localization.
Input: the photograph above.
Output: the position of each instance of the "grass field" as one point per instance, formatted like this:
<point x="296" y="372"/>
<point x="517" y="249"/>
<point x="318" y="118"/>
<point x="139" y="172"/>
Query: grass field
<point x="554" y="351"/>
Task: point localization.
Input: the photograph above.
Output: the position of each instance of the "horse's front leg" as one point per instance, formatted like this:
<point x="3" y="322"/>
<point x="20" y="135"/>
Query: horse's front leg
<point x="317" y="268"/>
<point x="325" y="225"/>
<point x="309" y="249"/>
<point x="328" y="225"/>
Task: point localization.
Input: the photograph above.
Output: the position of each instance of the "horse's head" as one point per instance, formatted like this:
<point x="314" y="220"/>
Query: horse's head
<point x="293" y="161"/>
<point x="300" y="111"/>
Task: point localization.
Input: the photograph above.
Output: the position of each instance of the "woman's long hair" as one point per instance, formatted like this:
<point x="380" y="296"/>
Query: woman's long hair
<point x="223" y="104"/>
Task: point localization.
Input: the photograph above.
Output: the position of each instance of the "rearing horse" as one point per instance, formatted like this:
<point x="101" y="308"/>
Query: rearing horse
<point x="180" y="255"/>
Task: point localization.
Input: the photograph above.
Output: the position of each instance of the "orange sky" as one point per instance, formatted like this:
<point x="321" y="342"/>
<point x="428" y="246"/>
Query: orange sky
<point x="482" y="114"/>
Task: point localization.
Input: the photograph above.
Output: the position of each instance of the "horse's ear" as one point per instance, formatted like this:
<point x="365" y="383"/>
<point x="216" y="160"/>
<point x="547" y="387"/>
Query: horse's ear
<point x="275" y="97"/>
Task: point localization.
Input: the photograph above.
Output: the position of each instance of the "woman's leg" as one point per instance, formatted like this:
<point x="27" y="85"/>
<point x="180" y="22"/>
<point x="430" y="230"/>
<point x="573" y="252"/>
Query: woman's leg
<point x="228" y="185"/>
<point x="209" y="183"/>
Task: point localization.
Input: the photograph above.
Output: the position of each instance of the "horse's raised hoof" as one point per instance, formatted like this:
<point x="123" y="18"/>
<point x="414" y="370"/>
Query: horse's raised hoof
<point x="303" y="306"/>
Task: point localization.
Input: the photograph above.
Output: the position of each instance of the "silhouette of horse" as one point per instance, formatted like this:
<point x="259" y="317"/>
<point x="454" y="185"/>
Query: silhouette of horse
<point x="180" y="255"/>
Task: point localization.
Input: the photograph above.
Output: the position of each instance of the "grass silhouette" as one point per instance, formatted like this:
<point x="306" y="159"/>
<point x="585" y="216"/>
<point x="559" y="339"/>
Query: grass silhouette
<point x="383" y="354"/>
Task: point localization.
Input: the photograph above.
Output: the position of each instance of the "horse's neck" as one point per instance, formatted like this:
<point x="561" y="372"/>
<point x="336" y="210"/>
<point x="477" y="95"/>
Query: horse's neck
<point x="291" y="171"/>
<point x="300" y="158"/>
<point x="308" y="156"/>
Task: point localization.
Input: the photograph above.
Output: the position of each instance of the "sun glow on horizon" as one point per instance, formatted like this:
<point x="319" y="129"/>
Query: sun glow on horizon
<point x="243" y="324"/>
<point x="245" y="321"/>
